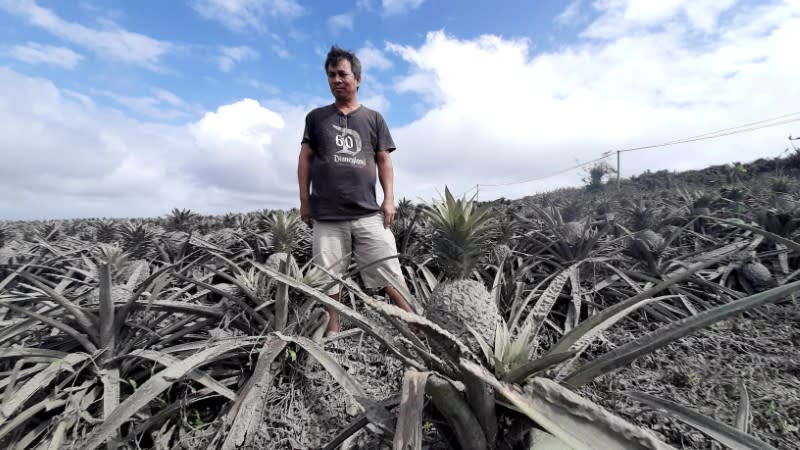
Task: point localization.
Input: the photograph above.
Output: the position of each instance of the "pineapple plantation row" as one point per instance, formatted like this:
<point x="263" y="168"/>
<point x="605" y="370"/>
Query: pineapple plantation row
<point x="534" y="318"/>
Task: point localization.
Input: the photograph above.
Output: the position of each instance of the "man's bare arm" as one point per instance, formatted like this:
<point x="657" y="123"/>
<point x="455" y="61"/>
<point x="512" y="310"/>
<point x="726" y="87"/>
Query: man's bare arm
<point x="386" y="177"/>
<point x="304" y="180"/>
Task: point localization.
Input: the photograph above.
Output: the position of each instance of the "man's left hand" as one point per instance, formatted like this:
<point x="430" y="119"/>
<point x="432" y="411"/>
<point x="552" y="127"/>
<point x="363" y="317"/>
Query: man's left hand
<point x="387" y="208"/>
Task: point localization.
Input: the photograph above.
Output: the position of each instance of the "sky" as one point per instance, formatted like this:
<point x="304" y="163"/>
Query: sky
<point x="127" y="109"/>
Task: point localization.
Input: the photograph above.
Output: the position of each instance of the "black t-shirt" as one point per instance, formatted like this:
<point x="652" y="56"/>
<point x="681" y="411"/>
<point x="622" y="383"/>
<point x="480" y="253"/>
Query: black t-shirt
<point x="343" y="170"/>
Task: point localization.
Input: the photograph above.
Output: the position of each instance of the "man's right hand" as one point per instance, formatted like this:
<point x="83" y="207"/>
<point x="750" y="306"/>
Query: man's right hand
<point x="305" y="211"/>
<point x="304" y="180"/>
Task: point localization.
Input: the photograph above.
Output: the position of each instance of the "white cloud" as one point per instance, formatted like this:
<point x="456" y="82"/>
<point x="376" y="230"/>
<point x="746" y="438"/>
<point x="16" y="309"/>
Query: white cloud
<point x="392" y="7"/>
<point x="241" y="15"/>
<point x="168" y="97"/>
<point x="266" y="87"/>
<point x="377" y="102"/>
<point x="280" y="51"/>
<point x="570" y="14"/>
<point x="162" y="105"/>
<point x="35" y="53"/>
<point x="340" y="22"/>
<point x="242" y="157"/>
<point x="621" y="17"/>
<point x="499" y="113"/>
<point x="235" y="145"/>
<point x="373" y="59"/>
<point x="230" y="56"/>
<point x="113" y="43"/>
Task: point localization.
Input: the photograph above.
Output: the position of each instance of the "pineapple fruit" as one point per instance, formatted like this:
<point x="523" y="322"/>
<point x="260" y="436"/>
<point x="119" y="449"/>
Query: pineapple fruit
<point x="461" y="233"/>
<point x="653" y="240"/>
<point x="757" y="274"/>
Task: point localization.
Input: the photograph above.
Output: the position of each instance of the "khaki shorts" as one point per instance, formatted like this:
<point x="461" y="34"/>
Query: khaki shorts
<point x="366" y="239"/>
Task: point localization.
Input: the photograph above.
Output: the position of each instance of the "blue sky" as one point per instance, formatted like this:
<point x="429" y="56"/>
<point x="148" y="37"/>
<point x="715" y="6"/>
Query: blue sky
<point x="128" y="109"/>
<point x="270" y="53"/>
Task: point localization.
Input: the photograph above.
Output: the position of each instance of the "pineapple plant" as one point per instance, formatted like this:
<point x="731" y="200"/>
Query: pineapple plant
<point x="137" y="239"/>
<point x="507" y="230"/>
<point x="184" y="220"/>
<point x="572" y="232"/>
<point x="461" y="232"/>
<point x="7" y="254"/>
<point x="781" y="184"/>
<point x="106" y="231"/>
<point x="226" y="238"/>
<point x="108" y="261"/>
<point x="7" y="234"/>
<point x="175" y="241"/>
<point x="642" y="215"/>
<point x="7" y="242"/>
<point x="285" y="233"/>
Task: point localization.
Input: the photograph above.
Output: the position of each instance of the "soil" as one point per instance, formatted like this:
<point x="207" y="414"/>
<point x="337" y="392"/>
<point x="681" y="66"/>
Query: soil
<point x="702" y="371"/>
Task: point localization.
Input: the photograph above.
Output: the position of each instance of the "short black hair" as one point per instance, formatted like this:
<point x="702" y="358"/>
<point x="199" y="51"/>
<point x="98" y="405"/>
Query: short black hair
<point x="337" y="54"/>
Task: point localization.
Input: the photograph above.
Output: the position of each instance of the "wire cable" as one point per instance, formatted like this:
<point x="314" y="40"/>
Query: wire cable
<point x="744" y="128"/>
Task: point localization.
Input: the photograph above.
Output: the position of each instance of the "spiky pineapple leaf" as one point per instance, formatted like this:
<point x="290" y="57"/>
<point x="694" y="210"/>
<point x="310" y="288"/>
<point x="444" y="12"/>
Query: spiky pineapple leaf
<point x="200" y="376"/>
<point x="575" y="420"/>
<point x="772" y="236"/>
<point x="153" y="387"/>
<point x="39" y="381"/>
<point x="365" y="324"/>
<point x="55" y="323"/>
<point x="544" y="304"/>
<point x="461" y="230"/>
<point x="723" y="433"/>
<point x="743" y="413"/>
<point x="531" y="368"/>
<point x="603" y="319"/>
<point x="622" y="355"/>
<point x="250" y="403"/>
<point x="408" y="432"/>
<point x="518" y="307"/>
<point x="22" y="417"/>
<point x="375" y="412"/>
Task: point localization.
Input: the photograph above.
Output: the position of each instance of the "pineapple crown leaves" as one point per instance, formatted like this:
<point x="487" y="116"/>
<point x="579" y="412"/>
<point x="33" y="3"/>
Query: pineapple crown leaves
<point x="509" y="352"/>
<point x="642" y="214"/>
<point x="110" y="254"/>
<point x="285" y="231"/>
<point x="461" y="231"/>
<point x="182" y="220"/>
<point x="694" y="199"/>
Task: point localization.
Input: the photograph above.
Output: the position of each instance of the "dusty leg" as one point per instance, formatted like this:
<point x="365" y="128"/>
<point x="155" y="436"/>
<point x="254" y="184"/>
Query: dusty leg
<point x="398" y="299"/>
<point x="333" y="324"/>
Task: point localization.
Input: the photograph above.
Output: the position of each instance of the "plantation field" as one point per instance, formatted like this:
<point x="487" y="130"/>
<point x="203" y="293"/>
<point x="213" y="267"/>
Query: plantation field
<point x="662" y="315"/>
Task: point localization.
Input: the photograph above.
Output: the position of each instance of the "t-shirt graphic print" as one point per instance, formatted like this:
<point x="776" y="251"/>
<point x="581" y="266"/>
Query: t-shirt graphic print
<point x="343" y="170"/>
<point x="349" y="141"/>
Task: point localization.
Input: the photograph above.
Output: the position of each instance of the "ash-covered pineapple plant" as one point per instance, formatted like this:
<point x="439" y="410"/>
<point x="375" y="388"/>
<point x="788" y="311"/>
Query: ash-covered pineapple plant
<point x="285" y="233"/>
<point x="461" y="233"/>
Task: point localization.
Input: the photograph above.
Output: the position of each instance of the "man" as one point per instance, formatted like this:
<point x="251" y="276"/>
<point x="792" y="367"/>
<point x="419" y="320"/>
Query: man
<point x="344" y="145"/>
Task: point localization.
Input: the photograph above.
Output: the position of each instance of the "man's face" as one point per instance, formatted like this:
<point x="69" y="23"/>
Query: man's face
<point x="341" y="80"/>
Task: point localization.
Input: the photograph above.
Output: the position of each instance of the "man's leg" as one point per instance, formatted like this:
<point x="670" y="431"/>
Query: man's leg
<point x="398" y="299"/>
<point x="373" y="242"/>
<point x="332" y="247"/>
<point x="333" y="323"/>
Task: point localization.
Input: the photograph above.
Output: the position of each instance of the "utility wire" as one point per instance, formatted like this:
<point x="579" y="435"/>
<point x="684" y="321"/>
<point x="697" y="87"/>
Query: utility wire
<point x="744" y="128"/>
<point x="715" y="134"/>
<point x="577" y="166"/>
<point x="784" y="116"/>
